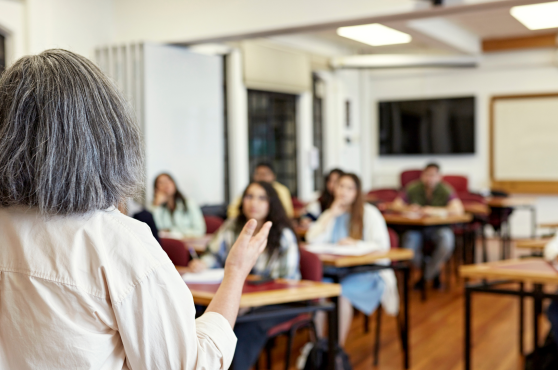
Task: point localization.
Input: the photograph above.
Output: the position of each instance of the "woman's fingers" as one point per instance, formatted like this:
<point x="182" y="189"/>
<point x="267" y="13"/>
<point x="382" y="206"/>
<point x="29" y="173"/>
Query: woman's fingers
<point x="261" y="237"/>
<point x="247" y="232"/>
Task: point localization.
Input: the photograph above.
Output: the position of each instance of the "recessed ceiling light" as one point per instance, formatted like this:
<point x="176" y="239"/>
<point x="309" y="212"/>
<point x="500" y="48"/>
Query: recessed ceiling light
<point x="537" y="16"/>
<point x="374" y="34"/>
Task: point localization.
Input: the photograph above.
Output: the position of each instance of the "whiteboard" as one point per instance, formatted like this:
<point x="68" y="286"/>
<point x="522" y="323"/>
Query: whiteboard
<point x="525" y="138"/>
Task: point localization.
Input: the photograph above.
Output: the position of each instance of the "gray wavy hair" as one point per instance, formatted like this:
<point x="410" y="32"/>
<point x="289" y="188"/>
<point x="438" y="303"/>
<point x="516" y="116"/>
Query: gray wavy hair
<point x="69" y="143"/>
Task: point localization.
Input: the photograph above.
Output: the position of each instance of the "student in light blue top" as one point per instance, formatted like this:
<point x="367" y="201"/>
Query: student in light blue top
<point x="349" y="221"/>
<point x="173" y="212"/>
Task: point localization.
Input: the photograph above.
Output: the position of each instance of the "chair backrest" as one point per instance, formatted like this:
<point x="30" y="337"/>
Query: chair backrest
<point x="409" y="176"/>
<point x="467" y="197"/>
<point x="458" y="183"/>
<point x="176" y="250"/>
<point x="212" y="223"/>
<point x="310" y="266"/>
<point x="384" y="195"/>
<point x="393" y="238"/>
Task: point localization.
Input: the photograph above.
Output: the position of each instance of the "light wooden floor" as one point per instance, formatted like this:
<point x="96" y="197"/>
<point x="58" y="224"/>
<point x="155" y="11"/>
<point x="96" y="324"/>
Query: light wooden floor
<point x="436" y="339"/>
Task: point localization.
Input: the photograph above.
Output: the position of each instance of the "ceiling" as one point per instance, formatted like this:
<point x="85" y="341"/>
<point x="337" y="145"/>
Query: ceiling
<point x="486" y="24"/>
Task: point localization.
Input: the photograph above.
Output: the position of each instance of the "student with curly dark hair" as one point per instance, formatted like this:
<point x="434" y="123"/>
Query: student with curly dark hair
<point x="280" y="259"/>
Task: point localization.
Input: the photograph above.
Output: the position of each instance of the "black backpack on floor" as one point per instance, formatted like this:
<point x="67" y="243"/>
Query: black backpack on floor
<point x="319" y="356"/>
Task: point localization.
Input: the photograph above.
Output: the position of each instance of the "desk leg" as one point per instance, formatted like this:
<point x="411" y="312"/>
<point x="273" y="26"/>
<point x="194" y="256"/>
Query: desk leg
<point x="405" y="328"/>
<point x="521" y="316"/>
<point x="537" y="312"/>
<point x="484" y="248"/>
<point x="333" y="333"/>
<point x="467" y="328"/>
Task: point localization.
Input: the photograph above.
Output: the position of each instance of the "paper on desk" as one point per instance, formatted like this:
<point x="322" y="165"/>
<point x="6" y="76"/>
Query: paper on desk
<point x="210" y="276"/>
<point x="341" y="250"/>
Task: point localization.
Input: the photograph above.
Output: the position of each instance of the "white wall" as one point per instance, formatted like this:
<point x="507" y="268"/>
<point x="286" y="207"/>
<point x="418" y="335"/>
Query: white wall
<point x="77" y="25"/>
<point x="184" y="127"/>
<point x="498" y="74"/>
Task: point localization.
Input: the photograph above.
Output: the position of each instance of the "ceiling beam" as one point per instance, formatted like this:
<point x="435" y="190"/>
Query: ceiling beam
<point x="448" y="33"/>
<point x="546" y="40"/>
<point x="384" y="61"/>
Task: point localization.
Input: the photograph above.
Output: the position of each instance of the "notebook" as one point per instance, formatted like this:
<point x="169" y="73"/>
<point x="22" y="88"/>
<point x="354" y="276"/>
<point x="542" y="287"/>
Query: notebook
<point x="340" y="250"/>
<point x="210" y="276"/>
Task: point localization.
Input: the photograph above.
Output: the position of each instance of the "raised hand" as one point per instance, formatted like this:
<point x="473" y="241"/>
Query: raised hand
<point x="247" y="249"/>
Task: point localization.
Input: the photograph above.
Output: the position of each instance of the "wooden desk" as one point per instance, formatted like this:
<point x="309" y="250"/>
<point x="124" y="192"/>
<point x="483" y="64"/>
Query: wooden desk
<point x="552" y="225"/>
<point x="281" y="292"/>
<point x="277" y="292"/>
<point x="398" y="254"/>
<point x="198" y="243"/>
<point x="533" y="244"/>
<point x="346" y="265"/>
<point x="399" y="219"/>
<point x="510" y="202"/>
<point x="532" y="270"/>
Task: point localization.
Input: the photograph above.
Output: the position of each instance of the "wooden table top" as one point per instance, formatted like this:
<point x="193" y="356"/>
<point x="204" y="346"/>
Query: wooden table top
<point x="276" y="292"/>
<point x="532" y="243"/>
<point x="398" y="254"/>
<point x="501" y="202"/>
<point x="529" y="270"/>
<point x="198" y="243"/>
<point x="398" y="219"/>
<point x="550" y="225"/>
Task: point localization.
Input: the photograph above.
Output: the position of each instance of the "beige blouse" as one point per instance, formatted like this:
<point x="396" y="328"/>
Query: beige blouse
<point x="98" y="292"/>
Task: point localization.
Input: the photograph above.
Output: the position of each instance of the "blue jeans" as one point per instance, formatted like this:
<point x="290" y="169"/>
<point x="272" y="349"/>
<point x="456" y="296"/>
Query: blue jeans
<point x="444" y="243"/>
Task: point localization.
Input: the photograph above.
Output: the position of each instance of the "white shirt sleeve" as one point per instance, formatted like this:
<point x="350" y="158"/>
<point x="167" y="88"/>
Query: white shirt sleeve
<point x="157" y="325"/>
<point x="375" y="231"/>
<point x="321" y="230"/>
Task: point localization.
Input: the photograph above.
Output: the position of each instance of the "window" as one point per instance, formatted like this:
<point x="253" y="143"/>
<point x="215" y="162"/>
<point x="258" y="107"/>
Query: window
<point x="272" y="134"/>
<point x="318" y="127"/>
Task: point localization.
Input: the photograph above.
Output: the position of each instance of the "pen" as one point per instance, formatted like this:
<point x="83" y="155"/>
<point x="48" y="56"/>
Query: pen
<point x="193" y="253"/>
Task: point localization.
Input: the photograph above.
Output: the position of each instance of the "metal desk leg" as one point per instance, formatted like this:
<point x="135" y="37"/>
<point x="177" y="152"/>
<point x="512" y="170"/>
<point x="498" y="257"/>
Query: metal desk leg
<point x="484" y="247"/>
<point x="537" y="312"/>
<point x="467" y="328"/>
<point x="405" y="334"/>
<point x="521" y="316"/>
<point x="333" y="333"/>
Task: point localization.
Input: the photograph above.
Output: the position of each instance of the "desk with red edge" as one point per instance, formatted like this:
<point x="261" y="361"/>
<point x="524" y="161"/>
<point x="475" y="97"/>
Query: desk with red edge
<point x="290" y="298"/>
<point x="346" y="265"/>
<point x="535" y="271"/>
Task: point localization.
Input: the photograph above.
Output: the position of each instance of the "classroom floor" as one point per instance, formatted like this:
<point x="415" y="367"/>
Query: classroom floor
<point x="436" y="338"/>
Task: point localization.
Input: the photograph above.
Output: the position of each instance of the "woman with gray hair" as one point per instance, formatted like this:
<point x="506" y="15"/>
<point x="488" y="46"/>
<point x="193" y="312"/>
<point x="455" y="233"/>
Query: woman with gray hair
<point x="81" y="285"/>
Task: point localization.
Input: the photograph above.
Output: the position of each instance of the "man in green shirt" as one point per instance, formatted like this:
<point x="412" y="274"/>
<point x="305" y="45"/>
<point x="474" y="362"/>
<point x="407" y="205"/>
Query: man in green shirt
<point x="430" y="196"/>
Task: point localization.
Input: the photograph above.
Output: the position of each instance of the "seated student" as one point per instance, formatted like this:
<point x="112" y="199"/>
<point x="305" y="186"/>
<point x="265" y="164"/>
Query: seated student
<point x="315" y="209"/>
<point x="264" y="172"/>
<point x="173" y="212"/>
<point x="551" y="255"/>
<point x="430" y="196"/>
<point x="349" y="221"/>
<point x="280" y="259"/>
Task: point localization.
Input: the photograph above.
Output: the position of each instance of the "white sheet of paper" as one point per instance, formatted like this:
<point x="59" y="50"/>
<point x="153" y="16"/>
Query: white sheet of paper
<point x="342" y="250"/>
<point x="210" y="276"/>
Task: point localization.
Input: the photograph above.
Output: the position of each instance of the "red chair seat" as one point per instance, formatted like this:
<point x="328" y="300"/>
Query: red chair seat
<point x="287" y="325"/>
<point x="176" y="250"/>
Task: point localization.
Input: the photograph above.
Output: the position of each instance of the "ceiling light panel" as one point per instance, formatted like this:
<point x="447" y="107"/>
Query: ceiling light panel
<point x="374" y="34"/>
<point x="537" y="16"/>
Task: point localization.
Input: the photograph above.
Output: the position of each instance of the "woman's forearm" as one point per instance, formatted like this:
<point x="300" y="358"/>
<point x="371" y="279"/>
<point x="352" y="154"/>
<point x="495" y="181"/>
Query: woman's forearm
<point x="227" y="299"/>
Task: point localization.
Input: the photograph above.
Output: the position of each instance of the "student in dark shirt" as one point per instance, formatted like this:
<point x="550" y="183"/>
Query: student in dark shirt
<point x="430" y="196"/>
